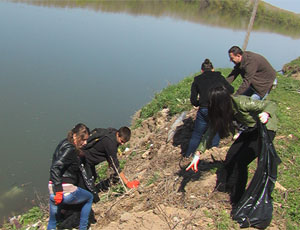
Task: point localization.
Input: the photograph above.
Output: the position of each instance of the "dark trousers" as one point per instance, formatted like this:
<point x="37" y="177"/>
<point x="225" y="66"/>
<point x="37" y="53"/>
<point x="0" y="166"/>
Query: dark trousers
<point x="241" y="153"/>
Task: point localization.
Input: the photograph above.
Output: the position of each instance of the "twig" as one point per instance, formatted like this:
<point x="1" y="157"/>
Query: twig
<point x="118" y="174"/>
<point x="164" y="216"/>
<point x="42" y="204"/>
<point x="117" y="201"/>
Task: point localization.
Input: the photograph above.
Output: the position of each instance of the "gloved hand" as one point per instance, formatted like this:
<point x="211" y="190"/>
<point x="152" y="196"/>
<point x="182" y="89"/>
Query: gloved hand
<point x="194" y="164"/>
<point x="133" y="184"/>
<point x="263" y="117"/>
<point x="58" y="197"/>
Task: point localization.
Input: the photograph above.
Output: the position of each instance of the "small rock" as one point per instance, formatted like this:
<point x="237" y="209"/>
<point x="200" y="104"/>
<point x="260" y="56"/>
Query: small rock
<point x="146" y="154"/>
<point x="176" y="219"/>
<point x="125" y="217"/>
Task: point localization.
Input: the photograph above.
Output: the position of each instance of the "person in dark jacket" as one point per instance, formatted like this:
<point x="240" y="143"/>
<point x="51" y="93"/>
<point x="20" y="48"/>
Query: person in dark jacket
<point x="223" y="109"/>
<point x="199" y="98"/>
<point x="103" y="146"/>
<point x="64" y="176"/>
<point x="257" y="73"/>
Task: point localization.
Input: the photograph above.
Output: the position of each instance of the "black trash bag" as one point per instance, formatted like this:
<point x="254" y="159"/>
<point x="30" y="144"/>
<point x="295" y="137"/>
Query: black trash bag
<point x="255" y="207"/>
<point x="103" y="185"/>
<point x="69" y="217"/>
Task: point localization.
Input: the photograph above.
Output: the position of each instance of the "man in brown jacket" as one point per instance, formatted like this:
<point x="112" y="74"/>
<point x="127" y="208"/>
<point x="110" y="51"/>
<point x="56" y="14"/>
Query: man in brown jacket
<point x="257" y="73"/>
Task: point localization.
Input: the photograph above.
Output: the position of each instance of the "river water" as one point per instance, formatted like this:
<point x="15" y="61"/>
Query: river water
<point x="61" y="64"/>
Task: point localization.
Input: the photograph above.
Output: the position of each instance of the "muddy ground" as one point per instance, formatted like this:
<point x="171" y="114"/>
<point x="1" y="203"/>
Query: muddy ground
<point x="168" y="196"/>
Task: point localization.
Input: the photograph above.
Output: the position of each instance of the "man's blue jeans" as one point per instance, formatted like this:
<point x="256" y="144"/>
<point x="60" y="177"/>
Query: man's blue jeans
<point x="250" y="92"/>
<point x="200" y="127"/>
<point x="77" y="197"/>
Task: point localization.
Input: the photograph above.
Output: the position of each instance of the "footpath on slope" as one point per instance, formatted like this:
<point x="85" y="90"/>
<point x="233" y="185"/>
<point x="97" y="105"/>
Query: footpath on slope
<point x="168" y="196"/>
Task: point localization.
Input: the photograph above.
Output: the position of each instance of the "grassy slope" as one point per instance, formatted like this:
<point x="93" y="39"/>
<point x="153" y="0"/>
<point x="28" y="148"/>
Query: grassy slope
<point x="292" y="68"/>
<point x="287" y="97"/>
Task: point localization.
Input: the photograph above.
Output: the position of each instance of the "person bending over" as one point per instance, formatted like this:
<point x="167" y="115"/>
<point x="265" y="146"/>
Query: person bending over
<point x="64" y="176"/>
<point x="103" y="146"/>
<point x="223" y="109"/>
<point x="257" y="73"/>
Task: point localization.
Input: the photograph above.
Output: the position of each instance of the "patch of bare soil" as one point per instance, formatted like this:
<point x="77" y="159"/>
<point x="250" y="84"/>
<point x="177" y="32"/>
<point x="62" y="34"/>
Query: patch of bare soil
<point x="168" y="196"/>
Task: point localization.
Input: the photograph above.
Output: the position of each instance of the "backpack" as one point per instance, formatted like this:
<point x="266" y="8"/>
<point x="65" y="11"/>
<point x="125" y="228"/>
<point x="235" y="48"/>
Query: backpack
<point x="98" y="134"/>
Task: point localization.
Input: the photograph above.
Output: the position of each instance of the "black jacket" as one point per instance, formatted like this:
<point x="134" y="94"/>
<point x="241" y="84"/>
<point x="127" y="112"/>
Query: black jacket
<point x="202" y="85"/>
<point x="104" y="149"/>
<point x="65" y="165"/>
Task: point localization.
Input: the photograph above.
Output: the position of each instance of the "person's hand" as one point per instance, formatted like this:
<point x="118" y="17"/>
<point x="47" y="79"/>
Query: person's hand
<point x="133" y="184"/>
<point x="263" y="117"/>
<point x="58" y="197"/>
<point x="194" y="164"/>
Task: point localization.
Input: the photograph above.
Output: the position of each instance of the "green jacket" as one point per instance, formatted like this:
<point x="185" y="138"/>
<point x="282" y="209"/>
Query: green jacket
<point x="246" y="112"/>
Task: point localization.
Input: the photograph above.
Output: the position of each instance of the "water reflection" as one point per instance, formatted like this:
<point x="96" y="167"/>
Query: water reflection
<point x="202" y="11"/>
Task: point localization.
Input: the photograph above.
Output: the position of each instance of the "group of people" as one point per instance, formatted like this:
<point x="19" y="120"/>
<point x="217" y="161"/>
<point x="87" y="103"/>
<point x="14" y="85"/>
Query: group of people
<point x="221" y="113"/>
<point x="73" y="174"/>
<point x="218" y="111"/>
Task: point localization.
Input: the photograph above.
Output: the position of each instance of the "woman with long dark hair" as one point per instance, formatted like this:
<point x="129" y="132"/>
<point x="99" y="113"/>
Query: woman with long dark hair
<point x="223" y="110"/>
<point x="64" y="177"/>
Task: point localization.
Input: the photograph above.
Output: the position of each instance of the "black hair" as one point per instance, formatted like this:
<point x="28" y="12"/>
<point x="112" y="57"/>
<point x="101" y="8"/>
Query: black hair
<point x="220" y="111"/>
<point x="124" y="133"/>
<point x="235" y="50"/>
<point x="206" y="65"/>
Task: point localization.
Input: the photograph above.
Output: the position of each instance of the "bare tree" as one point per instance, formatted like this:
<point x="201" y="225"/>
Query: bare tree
<point x="250" y="25"/>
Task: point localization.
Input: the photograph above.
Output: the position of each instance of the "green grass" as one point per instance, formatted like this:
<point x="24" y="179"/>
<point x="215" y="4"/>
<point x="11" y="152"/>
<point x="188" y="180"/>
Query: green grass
<point x="118" y="189"/>
<point x="31" y="217"/>
<point x="175" y="97"/>
<point x="221" y="220"/>
<point x="287" y="98"/>
<point x="153" y="179"/>
<point x="132" y="154"/>
<point x="102" y="170"/>
<point x="292" y="67"/>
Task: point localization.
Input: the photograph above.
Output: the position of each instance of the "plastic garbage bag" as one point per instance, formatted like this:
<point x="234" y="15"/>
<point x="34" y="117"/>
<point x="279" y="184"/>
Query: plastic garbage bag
<point x="255" y="208"/>
<point x="178" y="122"/>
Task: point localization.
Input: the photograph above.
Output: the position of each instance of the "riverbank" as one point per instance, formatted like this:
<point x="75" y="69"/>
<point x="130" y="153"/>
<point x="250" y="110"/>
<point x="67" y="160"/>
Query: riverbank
<point x="169" y="197"/>
<point x="268" y="17"/>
